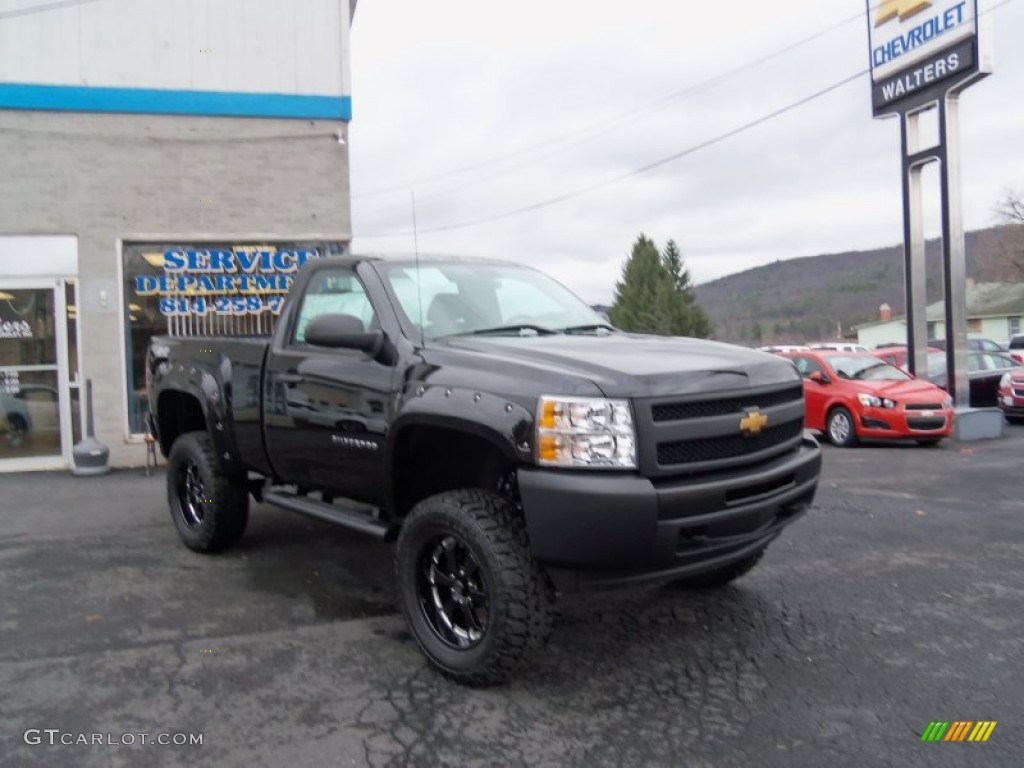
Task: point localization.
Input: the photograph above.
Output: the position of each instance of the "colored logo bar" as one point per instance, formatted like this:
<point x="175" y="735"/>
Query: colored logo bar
<point x="958" y="730"/>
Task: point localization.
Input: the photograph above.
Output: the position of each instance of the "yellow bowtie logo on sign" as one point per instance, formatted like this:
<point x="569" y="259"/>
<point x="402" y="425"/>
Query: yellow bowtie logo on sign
<point x="890" y="9"/>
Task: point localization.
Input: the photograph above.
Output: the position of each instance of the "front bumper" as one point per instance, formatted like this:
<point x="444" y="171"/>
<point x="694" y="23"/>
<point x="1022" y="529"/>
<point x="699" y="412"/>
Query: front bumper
<point x="898" y="422"/>
<point x="1012" y="403"/>
<point x="602" y="530"/>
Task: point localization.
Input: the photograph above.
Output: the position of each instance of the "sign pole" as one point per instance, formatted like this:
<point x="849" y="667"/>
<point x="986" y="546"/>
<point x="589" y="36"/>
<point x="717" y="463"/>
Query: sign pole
<point x="953" y="252"/>
<point x="915" y="283"/>
<point x="923" y="54"/>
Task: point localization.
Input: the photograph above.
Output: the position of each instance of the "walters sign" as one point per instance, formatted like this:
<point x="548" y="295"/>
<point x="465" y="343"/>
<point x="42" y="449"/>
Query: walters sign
<point x="920" y="48"/>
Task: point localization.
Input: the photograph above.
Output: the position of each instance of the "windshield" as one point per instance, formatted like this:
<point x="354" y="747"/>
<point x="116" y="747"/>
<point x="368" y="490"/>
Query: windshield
<point x="451" y="299"/>
<point x="866" y="368"/>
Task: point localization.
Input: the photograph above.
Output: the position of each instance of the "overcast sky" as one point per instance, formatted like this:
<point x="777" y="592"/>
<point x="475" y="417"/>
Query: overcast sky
<point x="571" y="93"/>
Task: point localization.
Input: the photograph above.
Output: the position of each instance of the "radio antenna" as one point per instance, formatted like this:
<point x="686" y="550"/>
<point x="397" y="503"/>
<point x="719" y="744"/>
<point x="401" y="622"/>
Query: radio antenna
<point x="419" y="281"/>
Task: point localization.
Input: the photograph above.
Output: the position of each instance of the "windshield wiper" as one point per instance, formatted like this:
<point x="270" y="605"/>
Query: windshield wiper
<point x="595" y="327"/>
<point x="523" y="329"/>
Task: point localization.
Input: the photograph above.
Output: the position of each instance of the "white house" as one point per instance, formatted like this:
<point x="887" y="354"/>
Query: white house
<point x="994" y="311"/>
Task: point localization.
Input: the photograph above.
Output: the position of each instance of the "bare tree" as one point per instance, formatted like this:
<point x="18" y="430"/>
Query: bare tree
<point x="1009" y="238"/>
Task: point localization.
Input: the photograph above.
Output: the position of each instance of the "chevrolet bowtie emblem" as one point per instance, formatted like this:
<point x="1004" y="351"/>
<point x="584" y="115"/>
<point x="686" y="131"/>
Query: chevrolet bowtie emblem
<point x="890" y="9"/>
<point x="753" y="422"/>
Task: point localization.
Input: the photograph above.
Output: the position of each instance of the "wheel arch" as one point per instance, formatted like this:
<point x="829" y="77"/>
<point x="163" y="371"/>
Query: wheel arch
<point x="180" y="411"/>
<point x="432" y="454"/>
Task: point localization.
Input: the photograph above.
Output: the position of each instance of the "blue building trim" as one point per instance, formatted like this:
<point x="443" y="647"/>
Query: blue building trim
<point x="71" y="98"/>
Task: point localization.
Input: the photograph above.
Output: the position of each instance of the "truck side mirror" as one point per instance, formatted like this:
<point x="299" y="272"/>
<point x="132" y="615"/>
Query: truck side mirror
<point x="339" y="331"/>
<point x="819" y="377"/>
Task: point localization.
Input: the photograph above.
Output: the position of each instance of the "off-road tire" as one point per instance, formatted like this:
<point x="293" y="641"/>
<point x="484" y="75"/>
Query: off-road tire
<point x="836" y="435"/>
<point x="210" y="510"/>
<point x="721" y="576"/>
<point x="517" y="600"/>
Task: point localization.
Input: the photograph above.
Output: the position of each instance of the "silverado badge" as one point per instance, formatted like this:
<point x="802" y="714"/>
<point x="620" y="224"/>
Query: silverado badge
<point x="753" y="422"/>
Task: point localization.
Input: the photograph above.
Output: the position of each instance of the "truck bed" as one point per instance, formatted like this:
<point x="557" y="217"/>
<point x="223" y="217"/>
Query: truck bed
<point x="208" y="364"/>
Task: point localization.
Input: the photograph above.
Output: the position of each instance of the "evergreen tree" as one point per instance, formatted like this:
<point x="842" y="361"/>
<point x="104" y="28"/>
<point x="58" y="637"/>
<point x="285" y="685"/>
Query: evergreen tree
<point x="636" y="306"/>
<point x="694" y="321"/>
<point x="655" y="294"/>
<point x="672" y="259"/>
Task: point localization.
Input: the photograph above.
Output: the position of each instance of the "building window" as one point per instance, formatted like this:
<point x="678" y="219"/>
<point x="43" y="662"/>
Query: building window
<point x="931" y="329"/>
<point x="202" y="289"/>
<point x="1013" y="326"/>
<point x="974" y="325"/>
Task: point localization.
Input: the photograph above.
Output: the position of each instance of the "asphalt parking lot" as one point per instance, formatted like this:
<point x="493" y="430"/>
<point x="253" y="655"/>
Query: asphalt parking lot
<point x="897" y="601"/>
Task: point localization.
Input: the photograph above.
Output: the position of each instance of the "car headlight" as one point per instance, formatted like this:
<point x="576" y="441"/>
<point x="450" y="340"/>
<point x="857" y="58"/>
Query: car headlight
<point x="948" y="401"/>
<point x="585" y="432"/>
<point x="871" y="401"/>
<point x="1004" y="383"/>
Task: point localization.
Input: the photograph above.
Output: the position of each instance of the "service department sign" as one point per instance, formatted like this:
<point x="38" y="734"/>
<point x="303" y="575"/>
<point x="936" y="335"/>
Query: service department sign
<point x="919" y="48"/>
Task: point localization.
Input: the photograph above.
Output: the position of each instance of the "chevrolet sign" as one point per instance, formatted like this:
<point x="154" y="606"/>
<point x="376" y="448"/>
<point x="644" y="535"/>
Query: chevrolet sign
<point x="905" y="32"/>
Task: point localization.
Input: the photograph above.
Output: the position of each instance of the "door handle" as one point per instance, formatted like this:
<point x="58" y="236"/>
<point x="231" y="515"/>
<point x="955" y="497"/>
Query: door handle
<point x="291" y="378"/>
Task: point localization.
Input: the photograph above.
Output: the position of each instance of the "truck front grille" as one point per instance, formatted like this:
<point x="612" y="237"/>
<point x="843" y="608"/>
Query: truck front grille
<point x="720" y="407"/>
<point x="706" y="433"/>
<point x="718" y="448"/>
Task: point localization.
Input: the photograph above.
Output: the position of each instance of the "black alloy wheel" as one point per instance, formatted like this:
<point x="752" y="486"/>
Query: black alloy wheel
<point x="477" y="603"/>
<point x="452" y="592"/>
<point x="209" y="507"/>
<point x="191" y="494"/>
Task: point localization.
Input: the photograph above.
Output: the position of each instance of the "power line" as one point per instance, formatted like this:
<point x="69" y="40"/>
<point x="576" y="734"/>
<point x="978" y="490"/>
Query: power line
<point x="42" y="8"/>
<point x="636" y="172"/>
<point x="683" y="153"/>
<point x="601" y="128"/>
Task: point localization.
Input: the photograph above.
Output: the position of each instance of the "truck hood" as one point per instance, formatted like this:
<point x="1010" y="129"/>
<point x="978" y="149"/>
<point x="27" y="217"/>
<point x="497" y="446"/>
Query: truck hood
<point x="622" y="365"/>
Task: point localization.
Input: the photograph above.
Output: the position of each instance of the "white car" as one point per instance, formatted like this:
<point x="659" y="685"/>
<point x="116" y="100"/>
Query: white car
<point x="31" y="410"/>
<point x="783" y="348"/>
<point x="1016" y="348"/>
<point x="839" y="346"/>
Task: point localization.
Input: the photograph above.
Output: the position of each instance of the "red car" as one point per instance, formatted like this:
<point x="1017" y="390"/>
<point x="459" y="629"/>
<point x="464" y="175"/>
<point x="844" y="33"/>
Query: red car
<point x="1011" y="395"/>
<point x="897" y="355"/>
<point x="852" y="396"/>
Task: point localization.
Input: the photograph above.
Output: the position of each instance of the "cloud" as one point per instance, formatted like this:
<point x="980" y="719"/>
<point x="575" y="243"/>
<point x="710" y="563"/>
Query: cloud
<point x="441" y="86"/>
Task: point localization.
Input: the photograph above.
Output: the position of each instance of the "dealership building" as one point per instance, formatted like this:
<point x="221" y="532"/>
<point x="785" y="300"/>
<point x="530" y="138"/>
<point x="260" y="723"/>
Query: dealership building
<point x="166" y="167"/>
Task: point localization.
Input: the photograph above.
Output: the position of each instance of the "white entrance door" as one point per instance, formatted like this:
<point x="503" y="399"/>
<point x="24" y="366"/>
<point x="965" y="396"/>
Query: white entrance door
<point x="35" y="399"/>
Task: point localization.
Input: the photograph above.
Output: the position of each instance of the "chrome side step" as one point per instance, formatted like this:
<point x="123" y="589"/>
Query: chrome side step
<point x="355" y="518"/>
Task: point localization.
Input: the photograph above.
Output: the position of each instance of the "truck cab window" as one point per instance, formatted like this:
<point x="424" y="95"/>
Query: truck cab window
<point x="334" y="292"/>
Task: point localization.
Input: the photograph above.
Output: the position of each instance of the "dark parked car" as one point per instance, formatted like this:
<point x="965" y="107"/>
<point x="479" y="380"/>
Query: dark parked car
<point x="974" y="344"/>
<point x="984" y="369"/>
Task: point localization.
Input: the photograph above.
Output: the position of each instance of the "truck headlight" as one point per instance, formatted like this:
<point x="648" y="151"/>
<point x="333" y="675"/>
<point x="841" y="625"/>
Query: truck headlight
<point x="585" y="432"/>
<point x="870" y="401"/>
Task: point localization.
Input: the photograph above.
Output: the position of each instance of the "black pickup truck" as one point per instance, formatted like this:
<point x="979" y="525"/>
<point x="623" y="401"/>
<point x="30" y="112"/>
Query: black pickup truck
<point x="512" y="442"/>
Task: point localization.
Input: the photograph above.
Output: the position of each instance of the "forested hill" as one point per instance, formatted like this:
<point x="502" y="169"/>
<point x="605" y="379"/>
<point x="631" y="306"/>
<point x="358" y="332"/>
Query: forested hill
<point x="810" y="298"/>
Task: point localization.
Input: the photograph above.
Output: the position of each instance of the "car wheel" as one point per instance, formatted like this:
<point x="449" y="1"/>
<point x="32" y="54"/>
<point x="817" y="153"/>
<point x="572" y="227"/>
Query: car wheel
<point x="841" y="427"/>
<point x="721" y="576"/>
<point x="17" y="431"/>
<point x="210" y="509"/>
<point x="476" y="601"/>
